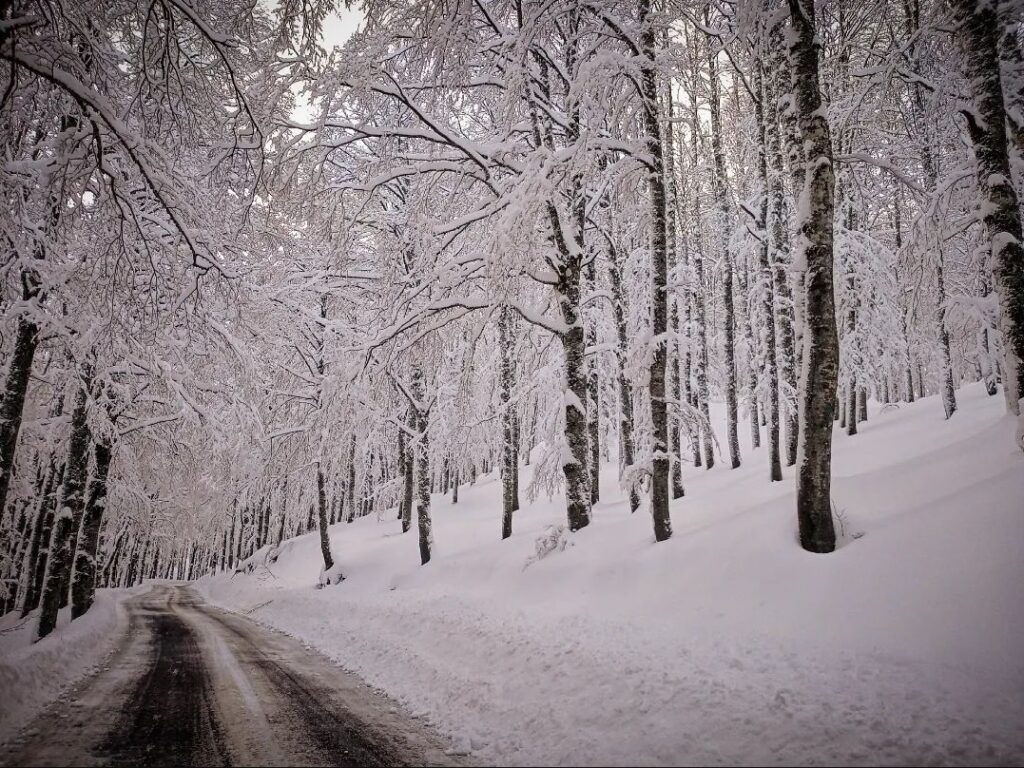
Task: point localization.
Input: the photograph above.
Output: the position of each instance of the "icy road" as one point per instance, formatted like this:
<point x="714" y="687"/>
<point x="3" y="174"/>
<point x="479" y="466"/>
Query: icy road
<point x="193" y="685"/>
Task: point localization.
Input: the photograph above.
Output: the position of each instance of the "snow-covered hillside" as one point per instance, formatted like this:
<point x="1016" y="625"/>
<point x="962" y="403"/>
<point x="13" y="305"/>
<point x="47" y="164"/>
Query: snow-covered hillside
<point x="725" y="644"/>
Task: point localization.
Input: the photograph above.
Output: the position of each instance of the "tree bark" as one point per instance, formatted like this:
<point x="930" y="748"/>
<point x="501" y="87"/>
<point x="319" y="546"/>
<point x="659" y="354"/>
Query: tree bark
<point x="325" y="538"/>
<point x="83" y="585"/>
<point x="19" y="542"/>
<point x="509" y="467"/>
<point x="814" y="220"/>
<point x="350" y="487"/>
<point x="574" y="467"/>
<point x="979" y="35"/>
<point x="772" y="226"/>
<point x="13" y="403"/>
<point x="42" y="530"/>
<point x="67" y="518"/>
<point x="426" y="535"/>
<point x="674" y="346"/>
<point x="659" y="275"/>
<point x="722" y="201"/>
<point x="625" y="390"/>
<point x="698" y="295"/>
<point x="593" y="400"/>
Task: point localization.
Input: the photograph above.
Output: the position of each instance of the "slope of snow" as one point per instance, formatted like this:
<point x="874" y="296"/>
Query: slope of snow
<point x="32" y="675"/>
<point x="726" y="644"/>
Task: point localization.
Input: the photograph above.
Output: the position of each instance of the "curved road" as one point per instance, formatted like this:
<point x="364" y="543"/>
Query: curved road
<point x="194" y="685"/>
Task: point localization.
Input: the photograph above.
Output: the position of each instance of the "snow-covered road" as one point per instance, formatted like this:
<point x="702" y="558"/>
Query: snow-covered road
<point x="193" y="685"/>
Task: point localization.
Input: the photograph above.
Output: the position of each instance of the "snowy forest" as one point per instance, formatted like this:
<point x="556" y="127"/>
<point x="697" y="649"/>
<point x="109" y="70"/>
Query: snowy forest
<point x="257" y="282"/>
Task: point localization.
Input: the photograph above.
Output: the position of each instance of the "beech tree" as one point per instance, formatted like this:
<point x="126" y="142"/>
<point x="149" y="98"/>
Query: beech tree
<point x="253" y="288"/>
<point x="821" y="347"/>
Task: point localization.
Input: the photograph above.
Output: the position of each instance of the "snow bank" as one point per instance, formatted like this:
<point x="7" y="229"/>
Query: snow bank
<point x="726" y="644"/>
<point x="32" y="675"/>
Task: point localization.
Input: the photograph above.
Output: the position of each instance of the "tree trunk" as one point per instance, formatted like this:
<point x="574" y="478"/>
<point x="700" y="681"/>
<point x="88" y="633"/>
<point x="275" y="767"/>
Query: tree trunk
<point x="280" y="521"/>
<point x="12" y="404"/>
<point x="67" y="518"/>
<point x="351" y="490"/>
<point x="851" y="406"/>
<point x="19" y="543"/>
<point x="987" y="126"/>
<point x="42" y="530"/>
<point x="325" y="538"/>
<point x="509" y="469"/>
<point x="625" y="390"/>
<point x="771" y="225"/>
<point x="231" y="535"/>
<point x="721" y="199"/>
<point x="659" y="276"/>
<point x="241" y="538"/>
<point x="409" y="485"/>
<point x="820" y="369"/>
<point x="422" y="471"/>
<point x="574" y="468"/>
<point x="83" y="585"/>
<point x="699" y="296"/>
<point x="515" y="457"/>
<point x="673" y="342"/>
<point x="948" y="388"/>
<point x="403" y="462"/>
<point x="593" y="402"/>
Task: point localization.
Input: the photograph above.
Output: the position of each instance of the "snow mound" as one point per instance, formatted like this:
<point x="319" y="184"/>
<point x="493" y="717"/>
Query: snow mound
<point x="32" y="675"/>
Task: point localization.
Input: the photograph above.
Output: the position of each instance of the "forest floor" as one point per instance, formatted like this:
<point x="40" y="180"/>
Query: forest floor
<point x="727" y="644"/>
<point x="193" y="685"/>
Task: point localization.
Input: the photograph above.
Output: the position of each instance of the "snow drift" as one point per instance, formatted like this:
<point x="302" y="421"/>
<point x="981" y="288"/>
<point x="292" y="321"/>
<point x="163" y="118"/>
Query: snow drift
<point x="32" y="675"/>
<point x="726" y="644"/>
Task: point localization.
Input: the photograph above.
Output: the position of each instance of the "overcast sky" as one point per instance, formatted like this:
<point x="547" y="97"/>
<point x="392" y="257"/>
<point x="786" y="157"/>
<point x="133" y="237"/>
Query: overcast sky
<point x="340" y="25"/>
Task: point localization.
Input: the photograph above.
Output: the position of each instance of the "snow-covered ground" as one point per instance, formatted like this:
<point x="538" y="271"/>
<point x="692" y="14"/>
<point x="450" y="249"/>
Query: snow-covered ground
<point x="32" y="675"/>
<point x="726" y="644"/>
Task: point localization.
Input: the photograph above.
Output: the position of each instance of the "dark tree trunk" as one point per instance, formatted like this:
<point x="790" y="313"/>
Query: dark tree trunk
<point x="19" y="543"/>
<point x="109" y="572"/>
<point x="659" y="275"/>
<point x="509" y="468"/>
<point x="241" y="537"/>
<point x="67" y="518"/>
<point x="325" y="539"/>
<point x="979" y="35"/>
<point x="577" y="479"/>
<point x="42" y="530"/>
<point x="12" y="404"/>
<point x="352" y="480"/>
<point x="83" y="585"/>
<point x="851" y="407"/>
<point x="821" y="344"/>
<point x="231" y="535"/>
<point x="515" y="459"/>
<point x="772" y="227"/>
<point x="403" y="460"/>
<point x="426" y="534"/>
<point x="409" y="485"/>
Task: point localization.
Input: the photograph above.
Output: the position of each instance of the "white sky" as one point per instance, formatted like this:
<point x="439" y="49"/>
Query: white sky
<point x="339" y="26"/>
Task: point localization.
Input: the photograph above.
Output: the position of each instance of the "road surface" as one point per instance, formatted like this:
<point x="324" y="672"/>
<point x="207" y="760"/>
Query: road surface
<point x="193" y="685"/>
